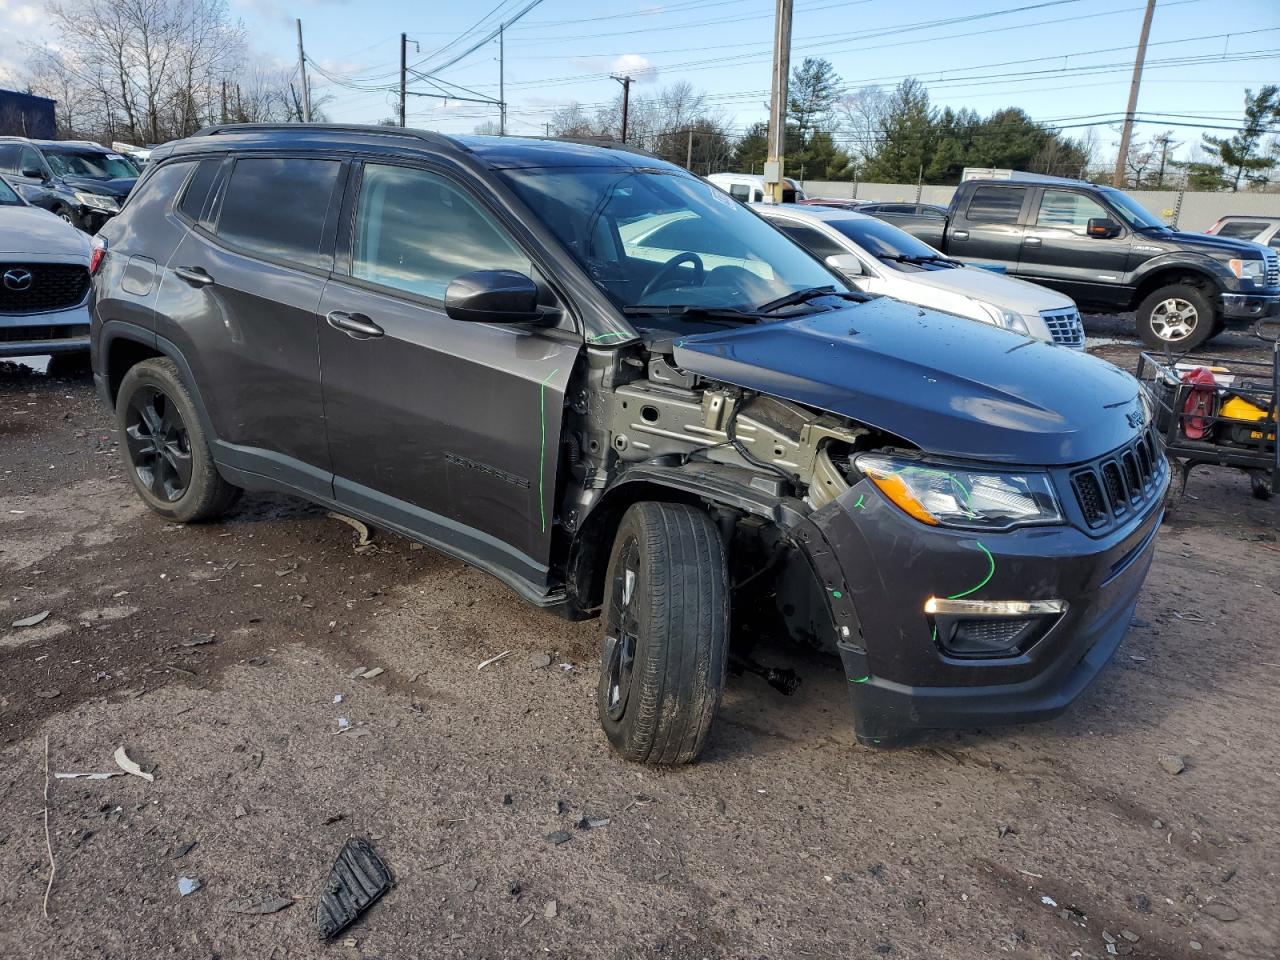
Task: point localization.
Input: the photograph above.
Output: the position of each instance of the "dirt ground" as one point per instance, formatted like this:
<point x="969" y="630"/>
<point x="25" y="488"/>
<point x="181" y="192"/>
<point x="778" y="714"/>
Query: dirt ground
<point x="1066" y="839"/>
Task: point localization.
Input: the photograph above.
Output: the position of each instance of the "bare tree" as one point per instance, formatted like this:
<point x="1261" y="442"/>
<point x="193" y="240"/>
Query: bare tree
<point x="862" y="116"/>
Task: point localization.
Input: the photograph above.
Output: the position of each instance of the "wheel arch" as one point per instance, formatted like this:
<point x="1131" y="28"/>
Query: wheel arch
<point x="125" y="345"/>
<point x="1173" y="274"/>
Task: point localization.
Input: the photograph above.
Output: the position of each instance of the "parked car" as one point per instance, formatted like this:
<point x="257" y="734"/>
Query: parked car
<point x="749" y="188"/>
<point x="926" y="219"/>
<point x="1259" y="229"/>
<point x="44" y="281"/>
<point x="877" y="257"/>
<point x="1101" y="248"/>
<point x="454" y="338"/>
<point x="83" y="183"/>
<point x="839" y="203"/>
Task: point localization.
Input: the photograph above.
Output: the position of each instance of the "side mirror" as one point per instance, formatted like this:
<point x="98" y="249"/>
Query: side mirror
<point x="493" y="296"/>
<point x="34" y="173"/>
<point x="845" y="263"/>
<point x="1102" y="228"/>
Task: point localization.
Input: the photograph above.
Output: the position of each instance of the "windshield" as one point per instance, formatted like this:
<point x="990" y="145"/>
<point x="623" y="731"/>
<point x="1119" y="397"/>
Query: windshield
<point x="884" y="240"/>
<point x="7" y="195"/>
<point x="88" y="163"/>
<point x="1132" y="212"/>
<point x="650" y="238"/>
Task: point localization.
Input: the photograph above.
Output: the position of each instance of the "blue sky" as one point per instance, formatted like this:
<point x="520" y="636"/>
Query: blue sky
<point x="1056" y="59"/>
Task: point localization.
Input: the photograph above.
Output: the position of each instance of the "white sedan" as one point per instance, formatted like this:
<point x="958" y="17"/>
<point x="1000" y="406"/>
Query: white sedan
<point x="44" y="280"/>
<point x="877" y="257"/>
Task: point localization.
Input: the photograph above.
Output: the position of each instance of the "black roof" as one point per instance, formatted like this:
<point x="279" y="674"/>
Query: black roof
<point x="494" y="152"/>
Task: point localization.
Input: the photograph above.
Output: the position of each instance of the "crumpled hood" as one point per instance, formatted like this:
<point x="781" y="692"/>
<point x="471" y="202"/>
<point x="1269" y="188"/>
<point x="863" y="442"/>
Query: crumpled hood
<point x="36" y="234"/>
<point x="947" y="385"/>
<point x="118" y="188"/>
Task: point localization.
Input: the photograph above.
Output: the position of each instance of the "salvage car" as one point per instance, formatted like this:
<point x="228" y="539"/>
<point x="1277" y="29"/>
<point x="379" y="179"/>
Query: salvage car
<point x="82" y="182"/>
<point x="962" y="516"/>
<point x="44" y="281"/>
<point x="1257" y="229"/>
<point x="877" y="257"/>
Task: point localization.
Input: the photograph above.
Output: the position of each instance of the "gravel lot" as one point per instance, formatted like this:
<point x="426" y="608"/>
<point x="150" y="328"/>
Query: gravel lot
<point x="1067" y="839"/>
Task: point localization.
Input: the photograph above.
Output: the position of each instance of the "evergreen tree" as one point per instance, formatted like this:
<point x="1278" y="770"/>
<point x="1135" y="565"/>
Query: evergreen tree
<point x="908" y="136"/>
<point x="1239" y="158"/>
<point x="752" y="149"/>
<point x="811" y="97"/>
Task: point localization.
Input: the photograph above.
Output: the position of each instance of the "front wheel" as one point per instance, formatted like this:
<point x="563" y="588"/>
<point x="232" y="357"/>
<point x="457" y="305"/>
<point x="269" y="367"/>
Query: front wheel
<point x="666" y="633"/>
<point x="1179" y="316"/>
<point x="166" y="452"/>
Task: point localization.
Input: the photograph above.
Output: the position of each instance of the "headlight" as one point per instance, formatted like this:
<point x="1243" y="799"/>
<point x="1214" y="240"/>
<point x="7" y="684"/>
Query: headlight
<point x="1255" y="270"/>
<point x="1005" y="319"/>
<point x="98" y="201"/>
<point x="957" y="497"/>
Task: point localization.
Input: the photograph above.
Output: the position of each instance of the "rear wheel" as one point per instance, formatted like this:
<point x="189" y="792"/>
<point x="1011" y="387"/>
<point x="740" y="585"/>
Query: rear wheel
<point x="666" y="633"/>
<point x="1180" y="316"/>
<point x="166" y="452"/>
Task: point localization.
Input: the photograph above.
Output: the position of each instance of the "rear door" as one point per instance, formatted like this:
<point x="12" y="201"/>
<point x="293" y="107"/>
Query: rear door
<point x="1058" y="252"/>
<point x="448" y="429"/>
<point x="239" y="297"/>
<point x="988" y="228"/>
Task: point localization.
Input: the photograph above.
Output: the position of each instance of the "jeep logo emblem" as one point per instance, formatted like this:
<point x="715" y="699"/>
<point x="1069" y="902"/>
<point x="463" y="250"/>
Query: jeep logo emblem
<point x="17" y="279"/>
<point x="1136" y="418"/>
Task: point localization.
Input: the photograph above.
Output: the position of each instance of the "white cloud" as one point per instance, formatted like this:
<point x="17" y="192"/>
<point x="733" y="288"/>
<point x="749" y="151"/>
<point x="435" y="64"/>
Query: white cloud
<point x="636" y="66"/>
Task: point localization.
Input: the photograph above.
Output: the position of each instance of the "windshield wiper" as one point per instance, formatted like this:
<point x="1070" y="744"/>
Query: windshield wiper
<point x="807" y="294"/>
<point x="903" y="258"/>
<point x="688" y="310"/>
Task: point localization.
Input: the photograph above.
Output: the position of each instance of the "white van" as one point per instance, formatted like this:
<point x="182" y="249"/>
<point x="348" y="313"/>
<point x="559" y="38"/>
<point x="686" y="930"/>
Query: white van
<point x="749" y="188"/>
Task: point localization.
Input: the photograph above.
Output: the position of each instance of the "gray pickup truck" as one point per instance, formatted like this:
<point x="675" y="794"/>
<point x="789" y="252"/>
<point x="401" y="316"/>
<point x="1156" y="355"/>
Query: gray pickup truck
<point x="1106" y="252"/>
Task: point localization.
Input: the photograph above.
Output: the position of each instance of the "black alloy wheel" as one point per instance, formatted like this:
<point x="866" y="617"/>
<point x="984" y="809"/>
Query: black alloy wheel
<point x="159" y="445"/>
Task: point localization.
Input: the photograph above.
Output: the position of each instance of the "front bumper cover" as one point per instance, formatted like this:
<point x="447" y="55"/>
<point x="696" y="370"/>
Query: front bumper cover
<point x="878" y="567"/>
<point x="38" y="334"/>
<point x="1250" y="306"/>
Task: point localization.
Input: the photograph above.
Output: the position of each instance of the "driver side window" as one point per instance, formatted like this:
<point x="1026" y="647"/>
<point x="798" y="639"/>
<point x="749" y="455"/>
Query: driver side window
<point x="416" y="231"/>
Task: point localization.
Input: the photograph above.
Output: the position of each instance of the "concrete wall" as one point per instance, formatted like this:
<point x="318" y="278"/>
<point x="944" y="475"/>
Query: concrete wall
<point x="1198" y="212"/>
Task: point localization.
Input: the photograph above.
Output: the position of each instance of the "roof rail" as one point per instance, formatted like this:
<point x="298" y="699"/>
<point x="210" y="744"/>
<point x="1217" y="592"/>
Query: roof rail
<point x="607" y="142"/>
<point x="427" y="136"/>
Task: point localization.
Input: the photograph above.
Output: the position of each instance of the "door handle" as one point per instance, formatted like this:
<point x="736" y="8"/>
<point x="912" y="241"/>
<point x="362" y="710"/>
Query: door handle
<point x="959" y="234"/>
<point x="354" y="325"/>
<point x="1032" y="241"/>
<point x="193" y="275"/>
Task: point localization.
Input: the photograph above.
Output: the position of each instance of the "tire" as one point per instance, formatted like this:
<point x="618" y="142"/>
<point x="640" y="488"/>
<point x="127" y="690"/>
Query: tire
<point x="64" y="214"/>
<point x="672" y="618"/>
<point x="166" y="453"/>
<point x="1260" y="485"/>
<point x="1180" y="316"/>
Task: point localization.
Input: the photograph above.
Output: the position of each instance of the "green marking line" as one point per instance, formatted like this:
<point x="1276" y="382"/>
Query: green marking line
<point x="991" y="572"/>
<point x="858" y="505"/>
<point x="542" y="447"/>
<point x="860" y="679"/>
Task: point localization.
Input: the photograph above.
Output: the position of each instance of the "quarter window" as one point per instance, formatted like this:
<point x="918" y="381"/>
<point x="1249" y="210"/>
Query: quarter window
<point x="278" y="206"/>
<point x="1067" y="210"/>
<point x="1242" y="229"/>
<point x="995" y="204"/>
<point x="417" y="232"/>
<point x="195" y="198"/>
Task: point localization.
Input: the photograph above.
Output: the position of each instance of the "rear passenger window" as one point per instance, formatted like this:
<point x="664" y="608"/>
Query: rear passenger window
<point x="278" y="206"/>
<point x="195" y="198"/>
<point x="996" y="204"/>
<point x="417" y="232"/>
<point x="740" y="191"/>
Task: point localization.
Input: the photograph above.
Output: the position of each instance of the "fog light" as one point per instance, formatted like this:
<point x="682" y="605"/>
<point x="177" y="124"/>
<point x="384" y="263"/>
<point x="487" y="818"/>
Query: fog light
<point x="972" y="629"/>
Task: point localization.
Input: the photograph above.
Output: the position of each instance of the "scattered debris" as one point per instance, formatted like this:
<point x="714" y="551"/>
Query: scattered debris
<point x="526" y="920"/>
<point x="1048" y="901"/>
<point x="559" y="836"/>
<point x="337" y="698"/>
<point x="1129" y="935"/>
<point x="566" y="667"/>
<point x="492" y="660"/>
<point x="356" y="731"/>
<point x="592" y="823"/>
<point x="199" y="640"/>
<point x="89" y="776"/>
<point x="1221" y="911"/>
<point x="343" y="724"/>
<point x="363" y="531"/>
<point x="507" y="800"/>
<point x="1190" y="617"/>
<point x="720" y="806"/>
<point x="540" y="661"/>
<point x="1173" y="765"/>
<point x="375" y="672"/>
<point x="48" y="694"/>
<point x="241" y="811"/>
<point x="1005" y="830"/>
<point x="513" y="888"/>
<point x="183" y="850"/>
<point x="562" y="807"/>
<point x="128" y="766"/>
<point x="188" y="886"/>
<point x="356" y="673"/>
<point x="356" y="881"/>
<point x="336" y="818"/>
<point x="783" y="679"/>
<point x="48" y="840"/>
<point x="551" y="910"/>
<point x="261" y="907"/>
<point x="32" y="620"/>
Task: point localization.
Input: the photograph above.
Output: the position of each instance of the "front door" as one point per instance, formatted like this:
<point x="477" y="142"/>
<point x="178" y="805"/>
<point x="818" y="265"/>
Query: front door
<point x="448" y="429"/>
<point x="988" y="229"/>
<point x="1058" y="251"/>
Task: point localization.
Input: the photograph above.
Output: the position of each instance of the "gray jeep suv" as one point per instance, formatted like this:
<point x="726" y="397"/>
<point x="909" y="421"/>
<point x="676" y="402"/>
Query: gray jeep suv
<point x="610" y="385"/>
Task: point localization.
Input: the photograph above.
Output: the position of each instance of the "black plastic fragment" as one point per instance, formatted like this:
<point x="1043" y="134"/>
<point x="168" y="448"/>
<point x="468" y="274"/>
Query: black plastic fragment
<point x="356" y="881"/>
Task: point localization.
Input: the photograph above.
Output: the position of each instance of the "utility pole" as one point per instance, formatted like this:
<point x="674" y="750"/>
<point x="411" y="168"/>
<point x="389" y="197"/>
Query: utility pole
<point x="547" y="128"/>
<point x="688" y="157"/>
<point x="224" y="99"/>
<point x="1126" y="132"/>
<point x="302" y="69"/>
<point x="626" y="103"/>
<point x="773" y="181"/>
<point x="404" y="43"/>
<point x="502" y="97"/>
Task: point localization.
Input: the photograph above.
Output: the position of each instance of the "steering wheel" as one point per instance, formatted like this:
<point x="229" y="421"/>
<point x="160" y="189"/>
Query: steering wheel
<point x="668" y="270"/>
